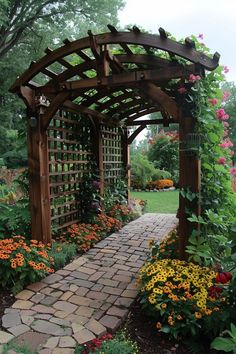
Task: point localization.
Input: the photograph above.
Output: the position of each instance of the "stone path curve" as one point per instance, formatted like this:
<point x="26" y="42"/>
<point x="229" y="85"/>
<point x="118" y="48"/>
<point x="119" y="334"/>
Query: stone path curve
<point x="89" y="296"/>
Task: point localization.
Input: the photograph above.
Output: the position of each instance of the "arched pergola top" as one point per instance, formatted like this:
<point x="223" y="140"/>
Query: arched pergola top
<point x="109" y="80"/>
<point x="115" y="76"/>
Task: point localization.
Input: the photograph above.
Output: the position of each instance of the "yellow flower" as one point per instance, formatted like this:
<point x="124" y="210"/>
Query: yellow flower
<point x="157" y="291"/>
<point x="158" y="325"/>
<point x="163" y="306"/>
<point x="198" y="315"/>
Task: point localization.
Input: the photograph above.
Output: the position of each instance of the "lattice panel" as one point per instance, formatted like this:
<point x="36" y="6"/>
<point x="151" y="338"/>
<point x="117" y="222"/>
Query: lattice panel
<point x="113" y="164"/>
<point x="70" y="157"/>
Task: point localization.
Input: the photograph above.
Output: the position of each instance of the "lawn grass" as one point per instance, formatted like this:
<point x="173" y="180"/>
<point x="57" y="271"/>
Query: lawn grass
<point x="159" y="202"/>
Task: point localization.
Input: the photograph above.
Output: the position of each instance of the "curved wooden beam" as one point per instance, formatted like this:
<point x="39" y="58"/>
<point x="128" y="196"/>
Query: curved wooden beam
<point x="143" y="59"/>
<point x="55" y="104"/>
<point x="157" y="95"/>
<point x="142" y="39"/>
<point x="121" y="80"/>
<point x="136" y="133"/>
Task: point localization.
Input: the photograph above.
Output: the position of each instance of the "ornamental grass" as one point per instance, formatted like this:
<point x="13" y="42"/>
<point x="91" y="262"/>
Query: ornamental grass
<point x="23" y="262"/>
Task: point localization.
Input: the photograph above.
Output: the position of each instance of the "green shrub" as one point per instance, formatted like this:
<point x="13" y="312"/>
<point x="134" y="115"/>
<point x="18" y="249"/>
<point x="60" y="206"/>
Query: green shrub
<point x="23" y="262"/>
<point x="62" y="253"/>
<point x="120" y="344"/>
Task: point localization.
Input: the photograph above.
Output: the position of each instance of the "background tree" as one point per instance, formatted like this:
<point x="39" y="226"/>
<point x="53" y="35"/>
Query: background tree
<point x="27" y="27"/>
<point x="164" y="153"/>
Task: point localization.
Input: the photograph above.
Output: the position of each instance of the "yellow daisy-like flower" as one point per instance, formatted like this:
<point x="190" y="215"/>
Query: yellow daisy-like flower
<point x="198" y="314"/>
<point x="158" y="325"/>
<point x="158" y="291"/>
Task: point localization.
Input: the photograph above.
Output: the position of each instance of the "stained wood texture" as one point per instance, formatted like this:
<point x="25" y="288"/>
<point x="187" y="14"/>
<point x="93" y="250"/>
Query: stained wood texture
<point x="113" y="163"/>
<point x="189" y="177"/>
<point x="39" y="182"/>
<point x="69" y="159"/>
<point x="112" y="90"/>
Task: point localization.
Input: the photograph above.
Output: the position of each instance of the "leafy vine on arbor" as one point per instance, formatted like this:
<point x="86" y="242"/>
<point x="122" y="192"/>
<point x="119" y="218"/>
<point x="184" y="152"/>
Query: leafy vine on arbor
<point x="215" y="149"/>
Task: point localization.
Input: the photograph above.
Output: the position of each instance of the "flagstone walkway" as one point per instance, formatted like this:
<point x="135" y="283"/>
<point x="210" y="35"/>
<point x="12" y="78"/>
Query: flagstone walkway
<point x="88" y="297"/>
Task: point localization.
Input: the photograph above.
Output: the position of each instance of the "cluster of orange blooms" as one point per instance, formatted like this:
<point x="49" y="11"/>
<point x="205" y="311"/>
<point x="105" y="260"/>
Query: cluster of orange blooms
<point x="121" y="212"/>
<point x="19" y="253"/>
<point x="160" y="184"/>
<point x="108" y="223"/>
<point x="86" y="235"/>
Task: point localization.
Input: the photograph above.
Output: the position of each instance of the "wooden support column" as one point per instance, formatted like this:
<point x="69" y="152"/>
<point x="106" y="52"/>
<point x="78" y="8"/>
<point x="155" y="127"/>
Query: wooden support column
<point x="189" y="166"/>
<point x="126" y="160"/>
<point x="39" y="192"/>
<point x="98" y="151"/>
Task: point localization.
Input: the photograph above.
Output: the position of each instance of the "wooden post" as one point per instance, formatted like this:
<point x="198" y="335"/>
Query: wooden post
<point x="189" y="169"/>
<point x="126" y="160"/>
<point x="39" y="192"/>
<point x="98" y="150"/>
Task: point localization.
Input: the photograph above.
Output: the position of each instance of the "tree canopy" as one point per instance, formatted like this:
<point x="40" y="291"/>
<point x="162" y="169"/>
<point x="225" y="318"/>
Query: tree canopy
<point x="27" y="27"/>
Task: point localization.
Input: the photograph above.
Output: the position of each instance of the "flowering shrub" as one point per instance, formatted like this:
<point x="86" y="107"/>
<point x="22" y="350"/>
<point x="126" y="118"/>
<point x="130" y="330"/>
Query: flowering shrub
<point x="107" y="223"/>
<point x="168" y="247"/>
<point x="83" y="235"/>
<point x="179" y="294"/>
<point x="23" y="262"/>
<point x="86" y="235"/>
<point x="122" y="212"/>
<point x="120" y="344"/>
<point x="160" y="184"/>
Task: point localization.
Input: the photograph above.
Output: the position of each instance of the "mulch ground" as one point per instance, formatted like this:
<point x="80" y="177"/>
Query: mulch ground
<point x="6" y="300"/>
<point x="142" y="330"/>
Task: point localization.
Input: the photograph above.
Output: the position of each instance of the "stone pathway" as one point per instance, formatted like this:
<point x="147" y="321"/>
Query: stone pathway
<point x="88" y="297"/>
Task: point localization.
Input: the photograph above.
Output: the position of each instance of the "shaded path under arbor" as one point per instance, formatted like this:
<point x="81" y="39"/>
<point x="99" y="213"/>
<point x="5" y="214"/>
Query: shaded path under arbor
<point x="88" y="297"/>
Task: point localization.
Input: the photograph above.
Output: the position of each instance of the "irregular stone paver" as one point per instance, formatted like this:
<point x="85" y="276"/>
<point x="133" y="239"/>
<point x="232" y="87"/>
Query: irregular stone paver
<point x="48" y="328"/>
<point x="67" y="342"/>
<point x="10" y="320"/>
<point x="97" y="328"/>
<point x="33" y="340"/>
<point x="87" y="297"/>
<point x="17" y="330"/>
<point x="84" y="336"/>
<point x="5" y="337"/>
<point x="52" y="342"/>
<point x="110" y="322"/>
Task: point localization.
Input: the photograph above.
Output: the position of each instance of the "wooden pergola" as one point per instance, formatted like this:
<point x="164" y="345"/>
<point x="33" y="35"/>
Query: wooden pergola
<point x="82" y="97"/>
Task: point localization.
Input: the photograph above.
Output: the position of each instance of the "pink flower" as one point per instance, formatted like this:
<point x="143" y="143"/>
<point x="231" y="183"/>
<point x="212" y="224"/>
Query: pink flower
<point x="233" y="171"/>
<point x="225" y="95"/>
<point x="213" y="101"/>
<point x="226" y="132"/>
<point x="227" y="143"/>
<point x="221" y="115"/>
<point x="200" y="36"/>
<point x="182" y="90"/>
<point x="226" y="69"/>
<point x="231" y="152"/>
<point x="226" y="124"/>
<point x="222" y="160"/>
<point x="193" y="78"/>
<point x="223" y="145"/>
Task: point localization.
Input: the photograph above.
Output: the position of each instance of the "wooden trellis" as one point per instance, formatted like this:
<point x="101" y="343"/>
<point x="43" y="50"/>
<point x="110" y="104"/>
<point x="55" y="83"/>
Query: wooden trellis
<point x="69" y="159"/>
<point x="82" y="97"/>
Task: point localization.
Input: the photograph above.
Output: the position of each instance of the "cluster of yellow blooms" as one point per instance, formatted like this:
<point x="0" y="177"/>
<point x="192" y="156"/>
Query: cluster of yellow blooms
<point x="167" y="283"/>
